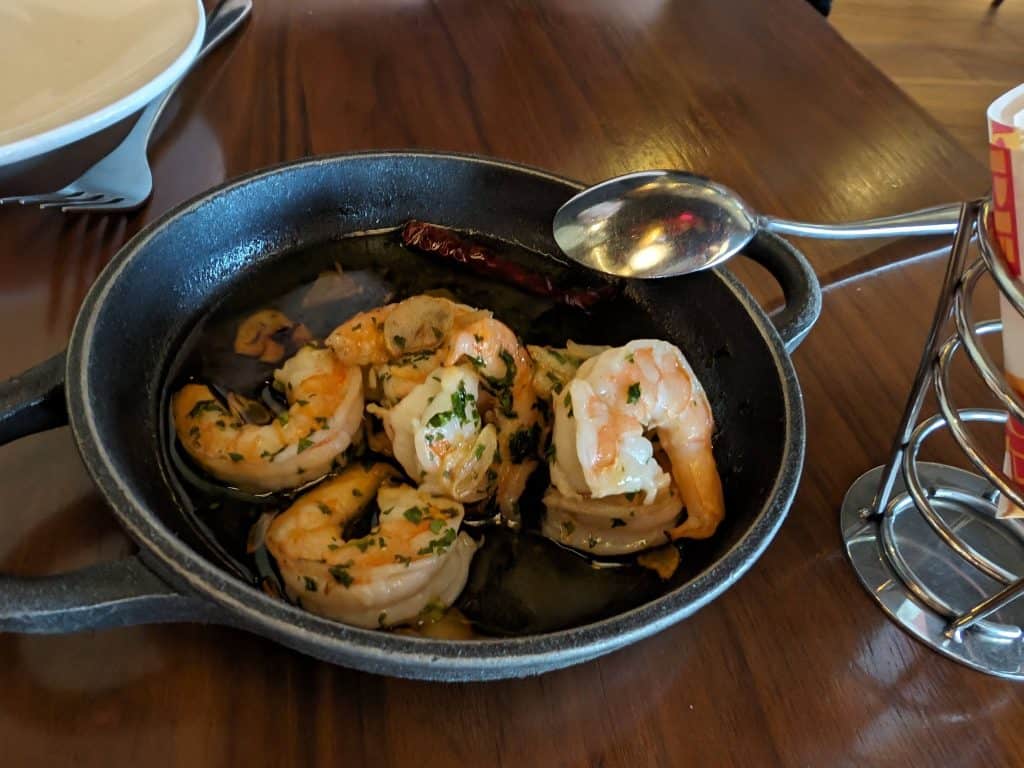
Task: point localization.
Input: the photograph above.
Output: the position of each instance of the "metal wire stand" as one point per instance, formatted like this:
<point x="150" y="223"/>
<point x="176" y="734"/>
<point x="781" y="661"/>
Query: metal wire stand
<point x="924" y="538"/>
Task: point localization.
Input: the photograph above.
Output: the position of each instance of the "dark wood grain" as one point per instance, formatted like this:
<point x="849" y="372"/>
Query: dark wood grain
<point x="793" y="666"/>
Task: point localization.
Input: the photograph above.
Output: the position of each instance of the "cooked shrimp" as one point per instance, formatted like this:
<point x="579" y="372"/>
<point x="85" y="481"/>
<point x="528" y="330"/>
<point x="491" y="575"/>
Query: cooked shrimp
<point x="400" y="344"/>
<point x="613" y="525"/>
<point x="599" y="435"/>
<point x="413" y="560"/>
<point x="439" y="438"/>
<point x="507" y="372"/>
<point x="325" y="412"/>
<point x="404" y="343"/>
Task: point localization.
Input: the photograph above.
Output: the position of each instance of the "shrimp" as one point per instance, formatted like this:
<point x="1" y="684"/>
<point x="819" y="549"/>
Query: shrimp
<point x="613" y="525"/>
<point x="412" y="561"/>
<point x="506" y="369"/>
<point x="439" y="438"/>
<point x="600" y="448"/>
<point x="399" y="344"/>
<point x="324" y="416"/>
<point x="404" y="343"/>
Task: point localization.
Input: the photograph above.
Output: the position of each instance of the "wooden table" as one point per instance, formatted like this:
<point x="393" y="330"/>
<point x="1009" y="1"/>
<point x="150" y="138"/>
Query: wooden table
<point x="795" y="665"/>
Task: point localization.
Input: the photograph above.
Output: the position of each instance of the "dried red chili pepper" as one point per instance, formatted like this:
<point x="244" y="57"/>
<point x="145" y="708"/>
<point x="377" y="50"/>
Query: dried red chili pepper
<point x="444" y="242"/>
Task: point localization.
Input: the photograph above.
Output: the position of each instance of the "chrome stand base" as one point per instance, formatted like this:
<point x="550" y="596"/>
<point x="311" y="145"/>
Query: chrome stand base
<point x="921" y="582"/>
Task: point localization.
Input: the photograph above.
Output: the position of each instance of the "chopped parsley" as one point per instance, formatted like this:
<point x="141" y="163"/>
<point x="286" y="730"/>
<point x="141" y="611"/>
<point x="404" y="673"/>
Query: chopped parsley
<point x="205" y="405"/>
<point x="433" y="612"/>
<point x="591" y="542"/>
<point x="304" y="443"/>
<point x="459" y="400"/>
<point x="618" y="522"/>
<point x="633" y="393"/>
<point x="630" y="496"/>
<point x="543" y="407"/>
<point x="364" y="543"/>
<point x="235" y="456"/>
<point x="439" y="419"/>
<point x="479" y="451"/>
<point x="463" y="409"/>
<point x="302" y="402"/>
<point x="440" y="544"/>
<point x="505" y="403"/>
<point x="523" y="443"/>
<point x="399" y="341"/>
<point x="323" y="508"/>
<point x="414" y="515"/>
<point x="436" y="525"/>
<point x="283" y="417"/>
<point x="415" y="357"/>
<point x="567" y="528"/>
<point x="357" y="493"/>
<point x="502" y="387"/>
<point x="310" y="584"/>
<point x="629" y="358"/>
<point x="438" y="333"/>
<point x="341" y="575"/>
<point x="403" y="560"/>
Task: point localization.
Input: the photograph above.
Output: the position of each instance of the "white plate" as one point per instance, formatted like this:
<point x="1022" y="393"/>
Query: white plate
<point x="69" y="68"/>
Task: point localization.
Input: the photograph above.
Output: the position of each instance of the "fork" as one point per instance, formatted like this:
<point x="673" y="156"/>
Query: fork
<point x="122" y="181"/>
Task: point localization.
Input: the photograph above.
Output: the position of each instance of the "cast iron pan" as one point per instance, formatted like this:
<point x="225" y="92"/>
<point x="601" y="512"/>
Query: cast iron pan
<point x="113" y="384"/>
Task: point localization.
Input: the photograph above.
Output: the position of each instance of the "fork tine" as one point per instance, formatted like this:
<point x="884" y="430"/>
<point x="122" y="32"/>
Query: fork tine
<point x="82" y="198"/>
<point x="104" y="206"/>
<point x="49" y="197"/>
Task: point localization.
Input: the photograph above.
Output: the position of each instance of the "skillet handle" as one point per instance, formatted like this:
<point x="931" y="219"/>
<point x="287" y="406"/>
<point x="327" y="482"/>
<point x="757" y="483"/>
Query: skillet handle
<point x="800" y="287"/>
<point x="115" y="594"/>
<point x="34" y="401"/>
<point x="110" y="594"/>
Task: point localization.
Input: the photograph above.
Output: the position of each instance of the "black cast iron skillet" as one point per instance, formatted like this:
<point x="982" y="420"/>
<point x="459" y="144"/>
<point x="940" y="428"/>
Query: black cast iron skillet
<point x="112" y="384"/>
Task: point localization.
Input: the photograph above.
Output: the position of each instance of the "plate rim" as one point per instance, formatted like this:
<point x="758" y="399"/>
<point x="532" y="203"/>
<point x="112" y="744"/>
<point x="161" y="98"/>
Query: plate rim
<point x="94" y="122"/>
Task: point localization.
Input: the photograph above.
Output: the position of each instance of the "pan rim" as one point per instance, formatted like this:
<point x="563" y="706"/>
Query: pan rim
<point x="395" y="654"/>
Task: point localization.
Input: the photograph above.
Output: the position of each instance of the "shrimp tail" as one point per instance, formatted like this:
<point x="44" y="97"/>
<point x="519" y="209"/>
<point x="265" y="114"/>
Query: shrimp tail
<point x="696" y="476"/>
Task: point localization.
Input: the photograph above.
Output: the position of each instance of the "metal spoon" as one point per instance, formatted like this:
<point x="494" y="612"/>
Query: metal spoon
<point x="664" y="223"/>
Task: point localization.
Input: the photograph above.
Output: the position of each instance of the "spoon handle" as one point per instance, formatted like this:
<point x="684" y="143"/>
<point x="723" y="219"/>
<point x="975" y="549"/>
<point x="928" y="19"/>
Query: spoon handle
<point x="940" y="220"/>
